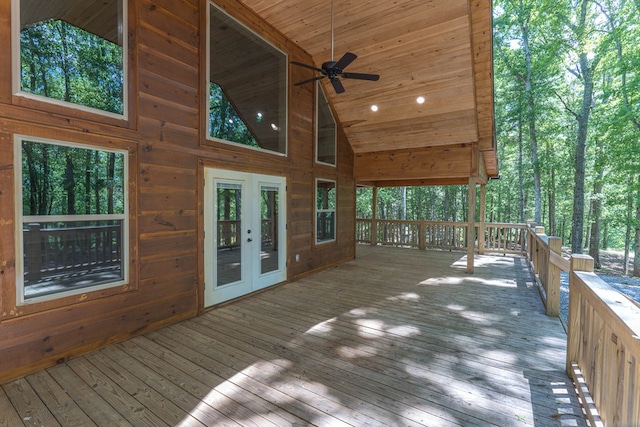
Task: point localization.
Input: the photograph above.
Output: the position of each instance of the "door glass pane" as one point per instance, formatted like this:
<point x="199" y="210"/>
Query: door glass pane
<point x="229" y="223"/>
<point x="269" y="226"/>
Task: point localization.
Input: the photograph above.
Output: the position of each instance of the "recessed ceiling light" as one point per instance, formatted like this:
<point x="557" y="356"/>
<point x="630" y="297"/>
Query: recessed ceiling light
<point x="274" y="126"/>
<point x="420" y="100"/>
<point x="374" y="108"/>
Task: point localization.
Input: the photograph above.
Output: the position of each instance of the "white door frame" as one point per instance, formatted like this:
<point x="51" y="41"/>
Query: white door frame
<point x="251" y="242"/>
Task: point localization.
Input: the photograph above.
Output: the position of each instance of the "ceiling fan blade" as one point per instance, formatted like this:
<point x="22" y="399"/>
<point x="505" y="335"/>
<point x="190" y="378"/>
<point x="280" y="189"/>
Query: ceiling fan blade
<point x="311" y="67"/>
<point x="361" y="76"/>
<point x="337" y="85"/>
<point x="346" y="59"/>
<point x="309" y="80"/>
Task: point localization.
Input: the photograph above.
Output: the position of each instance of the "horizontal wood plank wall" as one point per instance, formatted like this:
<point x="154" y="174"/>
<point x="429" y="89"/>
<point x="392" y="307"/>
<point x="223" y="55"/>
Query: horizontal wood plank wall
<point x="452" y="162"/>
<point x="166" y="199"/>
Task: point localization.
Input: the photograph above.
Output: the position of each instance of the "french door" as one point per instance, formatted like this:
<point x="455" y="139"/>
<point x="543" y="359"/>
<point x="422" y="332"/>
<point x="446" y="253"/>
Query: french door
<point x="245" y="233"/>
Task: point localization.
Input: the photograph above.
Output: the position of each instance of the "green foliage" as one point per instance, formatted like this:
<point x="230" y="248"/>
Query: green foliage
<point x="66" y="63"/>
<point x="437" y="203"/>
<point x="224" y="121"/>
<point x="608" y="38"/>
<point x="65" y="180"/>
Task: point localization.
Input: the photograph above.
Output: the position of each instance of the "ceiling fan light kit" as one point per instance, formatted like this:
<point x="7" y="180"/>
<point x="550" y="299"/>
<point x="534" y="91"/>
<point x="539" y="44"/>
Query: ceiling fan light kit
<point x="335" y="69"/>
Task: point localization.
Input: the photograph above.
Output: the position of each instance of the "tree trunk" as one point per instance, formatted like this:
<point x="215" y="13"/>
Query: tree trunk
<point x="87" y="182"/>
<point x="111" y="169"/>
<point x="531" y="116"/>
<point x="520" y="174"/>
<point x="552" y="203"/>
<point x="66" y="67"/>
<point x="586" y="68"/>
<point x="596" y="219"/>
<point x="627" y="237"/>
<point x="70" y="186"/>
<point x="581" y="149"/>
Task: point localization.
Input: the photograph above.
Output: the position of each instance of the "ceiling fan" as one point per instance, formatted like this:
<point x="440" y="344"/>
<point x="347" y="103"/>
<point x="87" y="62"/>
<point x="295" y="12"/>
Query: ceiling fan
<point x="335" y="69"/>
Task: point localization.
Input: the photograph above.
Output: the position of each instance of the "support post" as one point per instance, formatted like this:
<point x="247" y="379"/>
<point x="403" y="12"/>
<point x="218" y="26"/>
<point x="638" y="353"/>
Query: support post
<point x="374" y="217"/>
<point x="553" y="279"/>
<point x="483" y="214"/>
<point x="579" y="262"/>
<point x="422" y="236"/>
<point x="471" y="224"/>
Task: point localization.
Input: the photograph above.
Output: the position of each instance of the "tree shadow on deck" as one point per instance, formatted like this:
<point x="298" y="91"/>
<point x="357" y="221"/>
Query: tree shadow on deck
<point x="397" y="337"/>
<point x="387" y="342"/>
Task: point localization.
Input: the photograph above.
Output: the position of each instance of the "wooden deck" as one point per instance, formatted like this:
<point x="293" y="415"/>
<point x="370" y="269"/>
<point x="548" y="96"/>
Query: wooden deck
<point x="397" y="338"/>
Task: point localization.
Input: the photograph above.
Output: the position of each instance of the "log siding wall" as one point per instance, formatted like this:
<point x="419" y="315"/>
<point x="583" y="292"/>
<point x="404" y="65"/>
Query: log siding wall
<point x="165" y="136"/>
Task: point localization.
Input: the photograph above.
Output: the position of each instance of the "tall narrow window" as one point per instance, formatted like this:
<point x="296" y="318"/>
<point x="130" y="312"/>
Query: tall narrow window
<point x="247" y="86"/>
<point x="72" y="52"/>
<point x="72" y="218"/>
<point x="325" y="130"/>
<point x="325" y="211"/>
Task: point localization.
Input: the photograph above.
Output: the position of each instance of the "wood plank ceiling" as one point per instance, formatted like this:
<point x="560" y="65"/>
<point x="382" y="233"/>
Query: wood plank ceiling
<point x="437" y="49"/>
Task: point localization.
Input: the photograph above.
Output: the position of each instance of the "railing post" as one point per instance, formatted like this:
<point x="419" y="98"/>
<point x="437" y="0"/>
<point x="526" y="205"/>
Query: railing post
<point x="374" y="217"/>
<point x="471" y="224"/>
<point x="536" y="255"/>
<point x="34" y="252"/>
<point x="531" y="241"/>
<point x="579" y="262"/>
<point x="483" y="212"/>
<point x="422" y="237"/>
<point x="553" y="279"/>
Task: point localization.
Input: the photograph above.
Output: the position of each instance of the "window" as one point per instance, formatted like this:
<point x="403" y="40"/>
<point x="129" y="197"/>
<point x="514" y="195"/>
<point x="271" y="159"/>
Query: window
<point x="325" y="130"/>
<point x="72" y="53"/>
<point x="72" y="213"/>
<point x="247" y="87"/>
<point x="325" y="211"/>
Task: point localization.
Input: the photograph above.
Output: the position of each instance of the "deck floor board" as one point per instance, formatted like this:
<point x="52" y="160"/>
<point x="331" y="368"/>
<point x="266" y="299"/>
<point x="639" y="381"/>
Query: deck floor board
<point x="397" y="337"/>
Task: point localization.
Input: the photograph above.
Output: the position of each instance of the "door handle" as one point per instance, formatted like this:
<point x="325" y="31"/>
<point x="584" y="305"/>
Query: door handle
<point x="249" y="239"/>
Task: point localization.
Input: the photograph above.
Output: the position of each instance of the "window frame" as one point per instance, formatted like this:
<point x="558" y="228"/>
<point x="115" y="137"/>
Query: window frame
<point x="211" y="140"/>
<point x="30" y="99"/>
<point x="84" y="293"/>
<point x="318" y="211"/>
<point x="320" y="92"/>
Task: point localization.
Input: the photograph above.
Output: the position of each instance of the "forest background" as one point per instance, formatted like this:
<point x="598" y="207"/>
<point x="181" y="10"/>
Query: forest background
<point x="567" y="114"/>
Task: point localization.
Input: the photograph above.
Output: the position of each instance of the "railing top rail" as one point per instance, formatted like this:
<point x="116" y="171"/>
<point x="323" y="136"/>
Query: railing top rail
<point x="506" y="225"/>
<point x="613" y="306"/>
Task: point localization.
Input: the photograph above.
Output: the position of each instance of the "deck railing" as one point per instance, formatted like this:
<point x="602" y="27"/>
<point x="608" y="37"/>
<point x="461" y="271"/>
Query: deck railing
<point x="546" y="263"/>
<point x="603" y="347"/>
<point x="498" y="237"/>
<point x="54" y="251"/>
<point x="603" y="350"/>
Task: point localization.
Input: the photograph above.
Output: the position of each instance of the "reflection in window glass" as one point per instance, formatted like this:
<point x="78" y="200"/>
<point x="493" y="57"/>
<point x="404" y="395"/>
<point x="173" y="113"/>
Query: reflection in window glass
<point x="229" y="237"/>
<point x="325" y="130"/>
<point x="248" y="86"/>
<point x="72" y="53"/>
<point x="325" y="211"/>
<point x="74" y="218"/>
<point x="269" y="228"/>
<point x="224" y="121"/>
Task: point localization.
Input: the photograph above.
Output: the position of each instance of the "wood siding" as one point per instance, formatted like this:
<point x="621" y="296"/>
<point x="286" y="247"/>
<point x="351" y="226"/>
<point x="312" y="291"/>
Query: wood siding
<point x="165" y="139"/>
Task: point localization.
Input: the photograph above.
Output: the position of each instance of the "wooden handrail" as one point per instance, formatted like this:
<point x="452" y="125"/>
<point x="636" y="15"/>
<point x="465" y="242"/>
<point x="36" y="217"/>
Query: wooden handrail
<point x="498" y="237"/>
<point x="603" y="347"/>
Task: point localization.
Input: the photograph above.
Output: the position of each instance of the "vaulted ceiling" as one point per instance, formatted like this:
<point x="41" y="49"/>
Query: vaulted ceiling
<point x="440" y="50"/>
